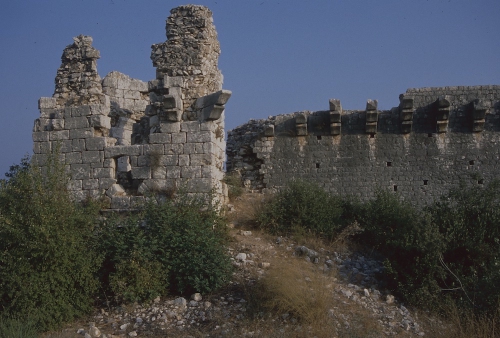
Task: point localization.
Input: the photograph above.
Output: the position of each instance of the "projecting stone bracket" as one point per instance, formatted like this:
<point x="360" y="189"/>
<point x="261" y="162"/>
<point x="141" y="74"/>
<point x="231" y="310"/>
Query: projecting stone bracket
<point x="301" y="124"/>
<point x="269" y="130"/>
<point x="335" y="117"/>
<point x="479" y="110"/>
<point x="442" y="111"/>
<point x="212" y="106"/>
<point x="406" y="114"/>
<point x="371" y="116"/>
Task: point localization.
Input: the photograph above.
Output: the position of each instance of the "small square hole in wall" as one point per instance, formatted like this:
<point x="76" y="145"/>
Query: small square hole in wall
<point x="318" y="137"/>
<point x="372" y="135"/>
<point x="395" y="187"/>
<point x="471" y="162"/>
<point x="429" y="135"/>
<point x="425" y="182"/>
<point x="317" y="165"/>
<point x="389" y="164"/>
<point x="481" y="181"/>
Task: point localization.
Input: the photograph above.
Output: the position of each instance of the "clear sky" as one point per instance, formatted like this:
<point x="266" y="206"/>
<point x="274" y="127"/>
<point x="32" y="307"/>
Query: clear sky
<point x="278" y="56"/>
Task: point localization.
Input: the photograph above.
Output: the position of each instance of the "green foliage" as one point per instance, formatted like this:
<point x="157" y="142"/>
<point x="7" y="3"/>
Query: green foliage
<point x="447" y="252"/>
<point x="17" y="328"/>
<point x="235" y="187"/>
<point x="46" y="257"/>
<point x="302" y="207"/>
<point x="184" y="240"/>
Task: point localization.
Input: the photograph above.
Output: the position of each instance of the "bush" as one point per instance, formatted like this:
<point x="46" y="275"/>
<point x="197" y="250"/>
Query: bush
<point x="184" y="239"/>
<point x="302" y="207"/>
<point x="47" y="264"/>
<point x="234" y="185"/>
<point x="16" y="328"/>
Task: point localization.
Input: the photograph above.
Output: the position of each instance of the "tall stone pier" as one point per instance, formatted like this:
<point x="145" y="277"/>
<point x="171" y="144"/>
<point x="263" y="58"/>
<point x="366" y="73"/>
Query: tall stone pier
<point x="121" y="138"/>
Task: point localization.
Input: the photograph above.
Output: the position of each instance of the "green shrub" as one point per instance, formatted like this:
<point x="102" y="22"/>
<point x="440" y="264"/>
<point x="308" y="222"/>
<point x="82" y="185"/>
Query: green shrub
<point x="234" y="185"/>
<point x="47" y="264"/>
<point x="183" y="239"/>
<point x="17" y="328"/>
<point x="302" y="207"/>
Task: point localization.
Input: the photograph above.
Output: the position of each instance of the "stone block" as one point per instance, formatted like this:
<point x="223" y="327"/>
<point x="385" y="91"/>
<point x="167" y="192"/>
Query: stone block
<point x="191" y="172"/>
<point x="179" y="137"/>
<point x="371" y="128"/>
<point x="96" y="143"/>
<point x="93" y="156"/>
<point x="335" y="105"/>
<point x="42" y="147"/>
<point x="100" y="121"/>
<point x="335" y="128"/>
<point x="269" y="130"/>
<point x="131" y="94"/>
<point x="52" y="113"/>
<point x="91" y="184"/>
<point x="39" y="159"/>
<point x="171" y="115"/>
<point x="78" y="145"/>
<point x="193" y="148"/>
<point x="174" y="148"/>
<point x="173" y="171"/>
<point x="169" y="102"/>
<point x="137" y="201"/>
<point x="406" y="127"/>
<point x="59" y="135"/>
<point x="74" y="185"/>
<point x="47" y="103"/>
<point x="174" y="127"/>
<point x="301" y="129"/>
<point x="80" y="111"/>
<point x="72" y="158"/>
<point x="81" y="133"/>
<point x="197" y="185"/>
<point x="371" y="116"/>
<point x="144" y="161"/>
<point x="77" y="122"/>
<point x="121" y="150"/>
<point x="115" y="190"/>
<point x="80" y="171"/>
<point x="184" y="160"/>
<point x="371" y="105"/>
<point x="106" y="183"/>
<point x="138" y="85"/>
<point x="301" y="119"/>
<point x="141" y="173"/>
<point x="190" y="126"/>
<point x="201" y="159"/>
<point x="200" y="137"/>
<point x="160" y="138"/>
<point x="219" y="98"/>
<point x="442" y="126"/>
<point x="173" y="81"/>
<point x="212" y="113"/>
<point x="169" y="160"/>
<point x="478" y="126"/>
<point x="158" y="172"/>
<point x="103" y="173"/>
<point x="99" y="109"/>
<point x="120" y="202"/>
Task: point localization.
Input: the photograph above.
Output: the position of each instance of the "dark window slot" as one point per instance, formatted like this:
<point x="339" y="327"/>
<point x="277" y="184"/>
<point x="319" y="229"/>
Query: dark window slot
<point x="317" y="165"/>
<point x="481" y="181"/>
<point x="389" y="164"/>
<point x="395" y="188"/>
<point x="471" y="162"/>
<point x="318" y="137"/>
<point x="425" y="182"/>
<point x="372" y="135"/>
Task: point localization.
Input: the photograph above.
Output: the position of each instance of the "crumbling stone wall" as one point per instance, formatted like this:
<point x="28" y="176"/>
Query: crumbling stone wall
<point x="121" y="138"/>
<point x="433" y="140"/>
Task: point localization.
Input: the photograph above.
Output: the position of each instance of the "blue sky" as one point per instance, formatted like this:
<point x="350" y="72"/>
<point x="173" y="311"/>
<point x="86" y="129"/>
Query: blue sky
<point x="278" y="56"/>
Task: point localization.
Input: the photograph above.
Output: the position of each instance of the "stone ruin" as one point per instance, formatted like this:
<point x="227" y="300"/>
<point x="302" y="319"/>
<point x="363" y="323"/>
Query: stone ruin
<point x="122" y="138"/>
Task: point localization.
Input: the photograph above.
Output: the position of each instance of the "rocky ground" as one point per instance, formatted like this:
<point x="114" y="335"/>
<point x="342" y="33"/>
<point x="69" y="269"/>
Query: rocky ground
<point x="359" y="303"/>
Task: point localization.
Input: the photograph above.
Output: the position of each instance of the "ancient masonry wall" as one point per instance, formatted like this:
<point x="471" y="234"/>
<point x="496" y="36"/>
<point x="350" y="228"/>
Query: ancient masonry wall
<point x="121" y="138"/>
<point x="435" y="139"/>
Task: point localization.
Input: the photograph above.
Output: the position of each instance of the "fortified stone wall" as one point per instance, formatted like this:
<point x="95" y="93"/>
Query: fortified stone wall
<point x="434" y="139"/>
<point x="121" y="138"/>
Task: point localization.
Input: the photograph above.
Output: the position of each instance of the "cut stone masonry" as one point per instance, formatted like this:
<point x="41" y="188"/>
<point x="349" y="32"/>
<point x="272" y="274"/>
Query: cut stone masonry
<point x="122" y="138"/>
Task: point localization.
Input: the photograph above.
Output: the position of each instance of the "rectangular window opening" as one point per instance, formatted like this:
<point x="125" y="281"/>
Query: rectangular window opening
<point x="429" y="135"/>
<point x="481" y="181"/>
<point x="395" y="188"/>
<point x="317" y="165"/>
<point x="372" y="135"/>
<point x="318" y="137"/>
<point x="389" y="164"/>
<point x="471" y="162"/>
<point x="425" y="182"/>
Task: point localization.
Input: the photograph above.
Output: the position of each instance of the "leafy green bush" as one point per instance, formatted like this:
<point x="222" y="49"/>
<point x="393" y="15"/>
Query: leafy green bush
<point x="47" y="264"/>
<point x="17" y="328"/>
<point x="234" y="185"/>
<point x="184" y="240"/>
<point x="302" y="206"/>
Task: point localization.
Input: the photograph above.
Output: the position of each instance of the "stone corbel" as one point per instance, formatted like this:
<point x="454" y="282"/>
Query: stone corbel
<point x="301" y="124"/>
<point x="371" y="116"/>
<point x="171" y="107"/>
<point x="406" y="114"/>
<point x="479" y="110"/>
<point x="212" y="105"/>
<point x="443" y="106"/>
<point x="335" y="117"/>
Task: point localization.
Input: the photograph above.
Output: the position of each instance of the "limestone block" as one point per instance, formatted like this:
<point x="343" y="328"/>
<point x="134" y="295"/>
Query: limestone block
<point x="39" y="159"/>
<point x="100" y="121"/>
<point x="91" y="184"/>
<point x="371" y="105"/>
<point x="144" y="161"/>
<point x="47" y="103"/>
<point x="172" y="115"/>
<point x="179" y="137"/>
<point x="199" y="137"/>
<point x="41" y="147"/>
<point x="190" y="126"/>
<point x="59" y="135"/>
<point x="173" y="81"/>
<point x="122" y="150"/>
<point x="78" y="144"/>
<point x="106" y="183"/>
<point x="371" y="127"/>
<point x="52" y="113"/>
<point x="173" y="171"/>
<point x="131" y="94"/>
<point x="160" y="138"/>
<point x="442" y="126"/>
<point x="80" y="133"/>
<point x="301" y="129"/>
<point x="120" y="202"/>
<point x="184" y="160"/>
<point x="335" y="128"/>
<point x="153" y="149"/>
<point x="335" y="105"/>
<point x="138" y="85"/>
<point x="170" y="127"/>
<point x="103" y="173"/>
<point x="193" y="148"/>
<point x="197" y="185"/>
<point x="140" y="105"/>
<point x="137" y="201"/>
<point x="301" y="119"/>
<point x="80" y="171"/>
<point x="100" y="109"/>
<point x="123" y="136"/>
<point x="169" y="160"/>
<point x="191" y="172"/>
<point x="96" y="143"/>
<point x="170" y="102"/>
<point x="115" y="190"/>
<point x="77" y="122"/>
<point x="212" y="113"/>
<point x="158" y="172"/>
<point x="406" y="127"/>
<point x="201" y="159"/>
<point x="141" y="173"/>
<point x="80" y="111"/>
<point x="72" y="158"/>
<point x="93" y="156"/>
<point x="174" y="148"/>
<point x="219" y="98"/>
<point x="269" y="130"/>
<point x="75" y="185"/>
<point x="209" y="148"/>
